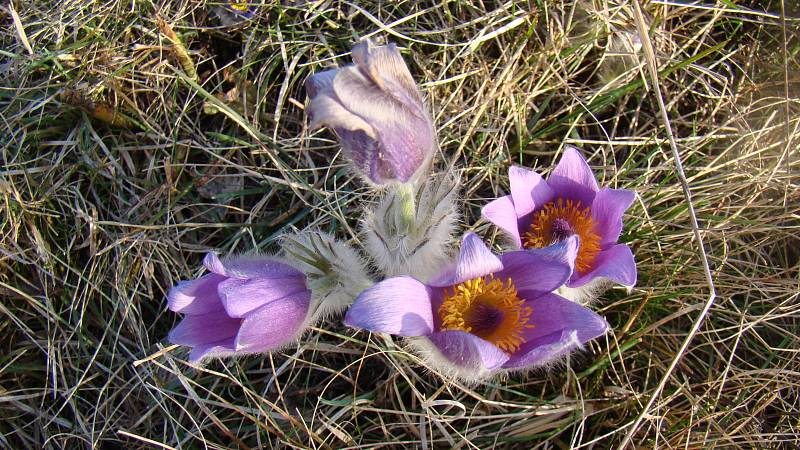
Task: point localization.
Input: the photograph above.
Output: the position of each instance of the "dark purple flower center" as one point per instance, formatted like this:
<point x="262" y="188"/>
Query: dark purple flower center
<point x="561" y="229"/>
<point x="483" y="318"/>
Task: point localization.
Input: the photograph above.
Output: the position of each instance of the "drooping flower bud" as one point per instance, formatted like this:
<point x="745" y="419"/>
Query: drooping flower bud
<point x="377" y="111"/>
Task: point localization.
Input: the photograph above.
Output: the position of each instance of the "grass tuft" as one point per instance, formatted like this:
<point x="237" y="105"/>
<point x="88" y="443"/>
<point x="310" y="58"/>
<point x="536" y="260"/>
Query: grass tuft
<point x="135" y="136"/>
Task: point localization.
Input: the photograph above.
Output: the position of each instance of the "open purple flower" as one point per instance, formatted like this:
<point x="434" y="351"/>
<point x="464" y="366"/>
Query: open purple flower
<point x="244" y="305"/>
<point x="375" y="108"/>
<point x="539" y="213"/>
<point x="484" y="314"/>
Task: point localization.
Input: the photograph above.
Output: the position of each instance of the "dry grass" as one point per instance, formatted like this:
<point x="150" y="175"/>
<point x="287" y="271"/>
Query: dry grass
<point x="117" y="177"/>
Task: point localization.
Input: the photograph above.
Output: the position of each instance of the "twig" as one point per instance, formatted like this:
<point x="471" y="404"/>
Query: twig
<point x="653" y="70"/>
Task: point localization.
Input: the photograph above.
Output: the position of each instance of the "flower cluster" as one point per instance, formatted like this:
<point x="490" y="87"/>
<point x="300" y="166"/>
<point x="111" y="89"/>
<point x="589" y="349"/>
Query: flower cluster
<point x="469" y="313"/>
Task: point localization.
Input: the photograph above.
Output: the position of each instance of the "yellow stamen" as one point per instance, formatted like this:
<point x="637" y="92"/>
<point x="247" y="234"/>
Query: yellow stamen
<point x="578" y="221"/>
<point x="488" y="309"/>
<point x="240" y="6"/>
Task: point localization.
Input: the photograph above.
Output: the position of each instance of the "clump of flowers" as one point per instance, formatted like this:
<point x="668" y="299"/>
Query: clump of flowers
<point x="467" y="312"/>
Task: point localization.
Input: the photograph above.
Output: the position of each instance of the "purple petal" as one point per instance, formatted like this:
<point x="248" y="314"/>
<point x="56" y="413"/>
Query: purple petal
<point x="616" y="264"/>
<point x="405" y="131"/>
<point x="248" y="266"/>
<point x="241" y="296"/>
<point x="559" y="326"/>
<point x="377" y="111"/>
<point x="360" y="148"/>
<point x="196" y="296"/>
<point x="573" y="179"/>
<point x="607" y="209"/>
<point x="467" y="350"/>
<point x="474" y="260"/>
<point x="274" y="325"/>
<point x="213" y="264"/>
<point x="537" y="272"/>
<point x="320" y="83"/>
<point x="501" y="212"/>
<point x="544" y="349"/>
<point x="385" y="67"/>
<point x="399" y="306"/>
<point x="215" y="349"/>
<point x="528" y="190"/>
<point x="204" y="329"/>
<point x="327" y="111"/>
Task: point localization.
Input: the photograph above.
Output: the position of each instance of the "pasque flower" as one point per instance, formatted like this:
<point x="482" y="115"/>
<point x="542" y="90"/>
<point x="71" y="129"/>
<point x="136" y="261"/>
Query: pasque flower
<point x="539" y="213"/>
<point x="485" y="313"/>
<point x="244" y="305"/>
<point x="376" y="109"/>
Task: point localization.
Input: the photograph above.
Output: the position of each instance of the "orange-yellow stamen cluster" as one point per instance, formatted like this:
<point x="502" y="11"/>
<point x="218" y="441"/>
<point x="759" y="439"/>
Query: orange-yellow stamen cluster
<point x="489" y="309"/>
<point x="240" y="6"/>
<point x="543" y="232"/>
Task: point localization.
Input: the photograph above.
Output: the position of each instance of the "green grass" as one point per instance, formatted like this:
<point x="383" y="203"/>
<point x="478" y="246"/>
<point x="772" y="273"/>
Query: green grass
<point x="116" y="179"/>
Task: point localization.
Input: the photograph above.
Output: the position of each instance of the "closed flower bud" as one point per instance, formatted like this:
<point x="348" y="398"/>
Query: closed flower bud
<point x="410" y="231"/>
<point x="377" y="112"/>
<point x="335" y="272"/>
<point x="244" y="305"/>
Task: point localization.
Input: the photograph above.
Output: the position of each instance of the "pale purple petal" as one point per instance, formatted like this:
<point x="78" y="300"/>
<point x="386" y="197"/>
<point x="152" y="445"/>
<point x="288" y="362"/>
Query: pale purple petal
<point x="474" y="260"/>
<point x="327" y="111"/>
<point x="321" y="83"/>
<point x="241" y="296"/>
<point x="385" y="67"/>
<point x="528" y="190"/>
<point x="616" y="264"/>
<point x="376" y="109"/>
<point x="213" y="264"/>
<point x="248" y="266"/>
<point x="406" y="150"/>
<point x="196" y="296"/>
<point x="217" y="349"/>
<point x="404" y="131"/>
<point x="536" y="272"/>
<point x="467" y="350"/>
<point x="573" y="179"/>
<point x="274" y="325"/>
<point x="607" y="210"/>
<point x="399" y="306"/>
<point x="554" y="320"/>
<point x="545" y="349"/>
<point x="204" y="329"/>
<point x="501" y="212"/>
<point x="360" y="148"/>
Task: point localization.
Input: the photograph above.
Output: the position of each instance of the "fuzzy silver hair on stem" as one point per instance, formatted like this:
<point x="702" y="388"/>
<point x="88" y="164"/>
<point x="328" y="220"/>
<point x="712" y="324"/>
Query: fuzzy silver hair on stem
<point x="411" y="229"/>
<point x="336" y="273"/>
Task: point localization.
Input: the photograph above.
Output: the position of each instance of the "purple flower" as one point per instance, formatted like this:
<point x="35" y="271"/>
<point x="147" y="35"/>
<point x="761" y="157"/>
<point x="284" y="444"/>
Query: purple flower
<point x="486" y="313"/>
<point x="375" y="108"/>
<point x="242" y="8"/>
<point x="539" y="213"/>
<point x="244" y="305"/>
